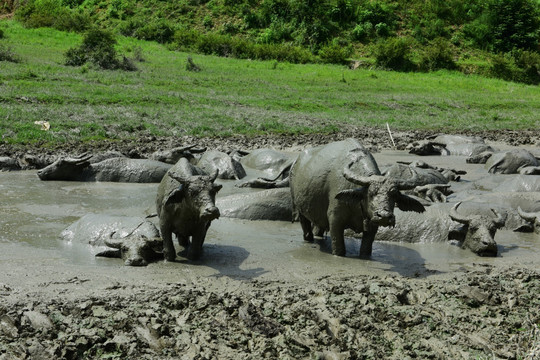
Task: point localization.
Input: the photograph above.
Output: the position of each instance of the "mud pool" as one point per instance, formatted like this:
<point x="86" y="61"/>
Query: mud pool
<point x="34" y="213"/>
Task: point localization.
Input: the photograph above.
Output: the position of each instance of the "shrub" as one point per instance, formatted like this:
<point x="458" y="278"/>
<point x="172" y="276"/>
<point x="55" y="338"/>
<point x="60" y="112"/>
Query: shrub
<point x="529" y="63"/>
<point x="97" y="48"/>
<point x="1" y="34"/>
<point x="394" y="54"/>
<point x="335" y="54"/>
<point x="52" y="13"/>
<point x="437" y="55"/>
<point x="6" y="54"/>
<point x="161" y="31"/>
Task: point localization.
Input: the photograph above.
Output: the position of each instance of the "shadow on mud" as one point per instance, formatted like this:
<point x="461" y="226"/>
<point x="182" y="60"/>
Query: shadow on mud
<point x="402" y="260"/>
<point x="227" y="260"/>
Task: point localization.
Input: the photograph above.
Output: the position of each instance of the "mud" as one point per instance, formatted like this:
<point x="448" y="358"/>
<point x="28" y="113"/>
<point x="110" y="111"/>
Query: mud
<point x="259" y="291"/>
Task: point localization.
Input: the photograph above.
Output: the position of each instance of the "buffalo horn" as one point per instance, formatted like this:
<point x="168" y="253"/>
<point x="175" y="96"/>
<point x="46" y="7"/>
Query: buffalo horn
<point x="354" y="178"/>
<point x="79" y="160"/>
<point x="501" y="218"/>
<point x="177" y="177"/>
<point x="214" y="175"/>
<point x="531" y="217"/>
<point x="457" y="217"/>
<point x="409" y="183"/>
<point x="115" y="243"/>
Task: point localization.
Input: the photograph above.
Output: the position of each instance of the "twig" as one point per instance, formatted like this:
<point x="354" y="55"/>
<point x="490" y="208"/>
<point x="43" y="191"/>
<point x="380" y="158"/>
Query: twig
<point x="390" y="133"/>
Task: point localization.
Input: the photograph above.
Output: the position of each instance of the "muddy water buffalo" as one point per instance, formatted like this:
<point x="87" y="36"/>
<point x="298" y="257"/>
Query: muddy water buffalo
<point x="186" y="206"/>
<point x="134" y="239"/>
<point x="510" y="162"/>
<point x="272" y="204"/>
<point x="119" y="169"/>
<point x="226" y="165"/>
<point x="325" y="193"/>
<point x="533" y="221"/>
<point x="442" y="223"/>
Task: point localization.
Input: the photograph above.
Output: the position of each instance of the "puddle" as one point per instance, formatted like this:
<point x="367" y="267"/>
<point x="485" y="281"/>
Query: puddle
<point x="34" y="213"/>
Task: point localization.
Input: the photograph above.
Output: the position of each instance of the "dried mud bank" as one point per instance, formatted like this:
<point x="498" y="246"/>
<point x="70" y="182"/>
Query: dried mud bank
<point x="141" y="145"/>
<point x="480" y="314"/>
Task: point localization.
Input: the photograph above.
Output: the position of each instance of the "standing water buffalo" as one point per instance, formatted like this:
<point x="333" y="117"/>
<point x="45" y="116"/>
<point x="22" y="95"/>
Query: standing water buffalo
<point x="325" y="193"/>
<point x="120" y="169"/>
<point x="186" y="206"/>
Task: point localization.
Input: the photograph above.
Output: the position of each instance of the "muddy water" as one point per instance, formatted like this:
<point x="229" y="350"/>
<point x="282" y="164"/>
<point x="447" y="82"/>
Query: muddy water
<point x="35" y="212"/>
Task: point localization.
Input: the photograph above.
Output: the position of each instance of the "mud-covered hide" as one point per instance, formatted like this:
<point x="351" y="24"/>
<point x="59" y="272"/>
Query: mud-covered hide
<point x="171" y="156"/>
<point x="519" y="183"/>
<point x="186" y="207"/>
<point x="226" y="165"/>
<point x="119" y="169"/>
<point x="339" y="186"/>
<point x="530" y="170"/>
<point x="9" y="164"/>
<point x="271" y="204"/>
<point x="268" y="160"/>
<point x="422" y="176"/>
<point x="134" y="239"/>
<point x="449" y="145"/>
<point x="472" y="227"/>
<point x="510" y="162"/>
<point x="532" y="221"/>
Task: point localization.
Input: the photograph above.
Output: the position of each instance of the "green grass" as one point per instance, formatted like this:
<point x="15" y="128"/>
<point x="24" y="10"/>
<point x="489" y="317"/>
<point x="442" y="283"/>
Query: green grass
<point x="231" y="96"/>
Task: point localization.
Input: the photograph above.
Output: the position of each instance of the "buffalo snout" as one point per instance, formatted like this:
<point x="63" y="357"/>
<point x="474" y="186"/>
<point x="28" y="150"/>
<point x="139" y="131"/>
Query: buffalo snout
<point x="210" y="213"/>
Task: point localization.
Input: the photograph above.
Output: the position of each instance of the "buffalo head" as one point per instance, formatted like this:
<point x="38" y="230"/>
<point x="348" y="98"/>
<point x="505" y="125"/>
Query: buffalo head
<point x="199" y="192"/>
<point x="532" y="219"/>
<point x="65" y="169"/>
<point x="481" y="229"/>
<point x="135" y="250"/>
<point x="379" y="195"/>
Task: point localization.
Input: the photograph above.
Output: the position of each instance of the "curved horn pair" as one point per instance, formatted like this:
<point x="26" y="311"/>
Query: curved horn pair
<point x="531" y="217"/>
<point x="355" y="178"/>
<point x="499" y="221"/>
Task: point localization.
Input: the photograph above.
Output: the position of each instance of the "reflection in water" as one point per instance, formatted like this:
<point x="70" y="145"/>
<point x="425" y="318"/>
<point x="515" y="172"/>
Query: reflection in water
<point x="35" y="212"/>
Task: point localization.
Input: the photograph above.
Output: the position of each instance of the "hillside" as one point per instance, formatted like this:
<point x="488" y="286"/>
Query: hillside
<point x="497" y="38"/>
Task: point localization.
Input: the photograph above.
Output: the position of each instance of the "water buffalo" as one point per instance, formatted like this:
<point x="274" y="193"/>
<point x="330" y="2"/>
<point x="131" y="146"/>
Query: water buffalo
<point x="324" y="188"/>
<point x="441" y="223"/>
<point x="449" y="145"/>
<point x="135" y="239"/>
<point x="171" y="156"/>
<point x="533" y="221"/>
<point x="120" y="169"/>
<point x="186" y="207"/>
<point x="226" y="165"/>
<point x="510" y="162"/>
<point x="272" y="204"/>
<point x="268" y="160"/>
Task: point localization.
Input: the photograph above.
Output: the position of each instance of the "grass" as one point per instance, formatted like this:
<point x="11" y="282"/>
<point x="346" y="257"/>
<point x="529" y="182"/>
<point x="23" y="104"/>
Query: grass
<point x="231" y="96"/>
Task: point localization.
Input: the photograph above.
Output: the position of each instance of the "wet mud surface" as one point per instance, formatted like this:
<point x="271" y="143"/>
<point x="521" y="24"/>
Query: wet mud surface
<point x="259" y="291"/>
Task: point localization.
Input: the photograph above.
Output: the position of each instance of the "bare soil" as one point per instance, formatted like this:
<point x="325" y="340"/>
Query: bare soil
<point x="52" y="311"/>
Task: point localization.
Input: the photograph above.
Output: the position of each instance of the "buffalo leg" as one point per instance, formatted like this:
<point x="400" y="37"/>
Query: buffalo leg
<point x="368" y="236"/>
<point x="168" y="246"/>
<point x="306" y="228"/>
<point x="183" y="241"/>
<point x="197" y="240"/>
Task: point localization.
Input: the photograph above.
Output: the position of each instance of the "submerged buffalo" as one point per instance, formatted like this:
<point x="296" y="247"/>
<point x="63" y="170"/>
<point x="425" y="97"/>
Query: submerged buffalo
<point x="120" y="169"/>
<point x="226" y="166"/>
<point x="511" y="162"/>
<point x="134" y="239"/>
<point x="325" y="194"/>
<point x="441" y="223"/>
<point x="271" y="204"/>
<point x="186" y="207"/>
<point x="532" y="219"/>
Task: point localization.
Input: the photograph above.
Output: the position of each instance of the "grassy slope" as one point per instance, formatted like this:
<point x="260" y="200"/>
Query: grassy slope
<point x="234" y="96"/>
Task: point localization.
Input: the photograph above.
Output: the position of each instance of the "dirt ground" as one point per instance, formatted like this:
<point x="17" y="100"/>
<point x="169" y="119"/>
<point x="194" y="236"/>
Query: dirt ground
<point x="53" y="311"/>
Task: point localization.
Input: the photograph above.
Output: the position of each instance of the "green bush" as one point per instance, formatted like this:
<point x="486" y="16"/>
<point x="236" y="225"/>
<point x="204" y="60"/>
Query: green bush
<point x="437" y="55"/>
<point x="52" y="13"/>
<point x="335" y="54"/>
<point x="394" y="54"/>
<point x="6" y="54"/>
<point x="1" y="34"/>
<point x="529" y="63"/>
<point x="97" y="48"/>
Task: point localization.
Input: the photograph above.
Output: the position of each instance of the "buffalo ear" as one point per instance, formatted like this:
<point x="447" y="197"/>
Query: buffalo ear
<point x="217" y="187"/>
<point x="352" y="195"/>
<point x="175" y="196"/>
<point x="407" y="203"/>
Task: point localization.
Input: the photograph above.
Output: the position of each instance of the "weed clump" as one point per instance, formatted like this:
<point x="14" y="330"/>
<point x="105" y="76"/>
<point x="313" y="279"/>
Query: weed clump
<point x="191" y="66"/>
<point x="6" y="54"/>
<point x="97" y="48"/>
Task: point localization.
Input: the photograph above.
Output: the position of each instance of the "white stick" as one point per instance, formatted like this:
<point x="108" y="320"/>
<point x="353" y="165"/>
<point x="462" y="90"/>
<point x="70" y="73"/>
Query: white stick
<point x="391" y="138"/>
